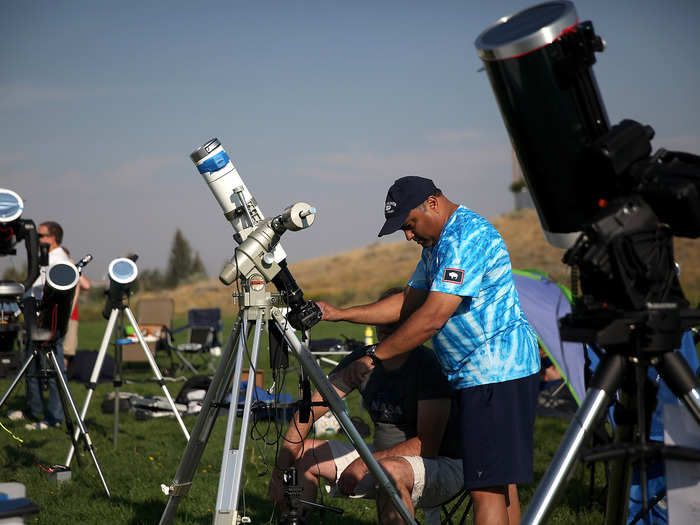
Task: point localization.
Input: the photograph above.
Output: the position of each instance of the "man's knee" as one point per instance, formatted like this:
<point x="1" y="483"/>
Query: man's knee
<point x="399" y="472"/>
<point x="491" y="494"/>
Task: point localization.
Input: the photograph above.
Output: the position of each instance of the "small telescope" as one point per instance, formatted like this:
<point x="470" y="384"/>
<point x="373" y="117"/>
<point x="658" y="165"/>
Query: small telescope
<point x="122" y="273"/>
<point x="57" y="299"/>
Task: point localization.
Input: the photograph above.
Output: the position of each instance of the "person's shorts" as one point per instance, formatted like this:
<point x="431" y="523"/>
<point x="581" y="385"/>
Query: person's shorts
<point x="497" y="432"/>
<point x="434" y="480"/>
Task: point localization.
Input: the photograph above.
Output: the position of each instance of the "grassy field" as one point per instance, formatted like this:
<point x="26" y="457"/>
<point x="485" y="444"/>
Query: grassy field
<point x="148" y="452"/>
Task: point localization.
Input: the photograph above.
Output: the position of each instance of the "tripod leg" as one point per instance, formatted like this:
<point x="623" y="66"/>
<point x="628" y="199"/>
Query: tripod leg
<point x="339" y="409"/>
<point x="94" y="377"/>
<point x="680" y="379"/>
<point x="22" y="371"/>
<point x="202" y="427"/>
<point x="156" y="372"/>
<point x="603" y="386"/>
<point x="232" y="463"/>
<point x="64" y="386"/>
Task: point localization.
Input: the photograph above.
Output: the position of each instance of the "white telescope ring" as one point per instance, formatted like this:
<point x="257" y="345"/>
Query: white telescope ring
<point x="122" y="277"/>
<point x="65" y="284"/>
<point x="19" y="204"/>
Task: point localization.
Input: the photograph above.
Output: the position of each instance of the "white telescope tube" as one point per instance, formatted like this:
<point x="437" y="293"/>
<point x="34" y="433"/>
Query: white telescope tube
<point x="236" y="201"/>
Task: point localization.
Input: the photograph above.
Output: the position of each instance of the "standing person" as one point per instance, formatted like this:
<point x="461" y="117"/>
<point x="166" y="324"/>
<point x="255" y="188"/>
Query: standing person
<point x="49" y="233"/>
<point x="70" y="343"/>
<point x="462" y="297"/>
<point x="415" y="438"/>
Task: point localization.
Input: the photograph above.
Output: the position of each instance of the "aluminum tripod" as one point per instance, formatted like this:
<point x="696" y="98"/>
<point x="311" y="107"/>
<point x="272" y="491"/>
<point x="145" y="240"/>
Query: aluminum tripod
<point x="66" y="398"/>
<point x="256" y="309"/>
<point x="604" y="384"/>
<point x="113" y="316"/>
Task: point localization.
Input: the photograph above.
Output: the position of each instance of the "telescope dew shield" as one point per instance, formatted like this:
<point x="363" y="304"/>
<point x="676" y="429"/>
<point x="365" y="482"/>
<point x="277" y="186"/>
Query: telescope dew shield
<point x="11" y="206"/>
<point x="57" y="298"/>
<point x="237" y="203"/>
<point x="539" y="65"/>
<point x="122" y="272"/>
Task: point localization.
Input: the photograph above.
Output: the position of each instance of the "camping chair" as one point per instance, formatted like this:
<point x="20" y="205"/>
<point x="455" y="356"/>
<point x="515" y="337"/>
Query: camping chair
<point x="198" y="354"/>
<point x="457" y="507"/>
<point x="154" y="316"/>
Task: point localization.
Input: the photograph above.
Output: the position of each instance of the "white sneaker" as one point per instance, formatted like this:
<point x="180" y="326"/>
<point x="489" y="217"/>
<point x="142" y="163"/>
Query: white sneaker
<point x="15" y="415"/>
<point x="40" y="425"/>
<point x="36" y="425"/>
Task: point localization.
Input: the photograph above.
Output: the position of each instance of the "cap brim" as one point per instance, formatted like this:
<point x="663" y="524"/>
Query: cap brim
<point x="392" y="225"/>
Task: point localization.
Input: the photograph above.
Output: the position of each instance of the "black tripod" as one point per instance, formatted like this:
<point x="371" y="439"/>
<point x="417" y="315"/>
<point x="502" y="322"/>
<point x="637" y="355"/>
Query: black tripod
<point x="43" y="347"/>
<point x="292" y="491"/>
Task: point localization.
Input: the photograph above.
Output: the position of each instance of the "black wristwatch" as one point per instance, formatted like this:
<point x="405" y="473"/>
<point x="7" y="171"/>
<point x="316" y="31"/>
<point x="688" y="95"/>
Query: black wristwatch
<point x="371" y="353"/>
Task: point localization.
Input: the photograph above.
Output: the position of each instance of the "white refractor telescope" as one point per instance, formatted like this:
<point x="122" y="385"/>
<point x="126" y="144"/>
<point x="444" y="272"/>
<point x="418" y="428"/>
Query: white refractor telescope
<point x="258" y="238"/>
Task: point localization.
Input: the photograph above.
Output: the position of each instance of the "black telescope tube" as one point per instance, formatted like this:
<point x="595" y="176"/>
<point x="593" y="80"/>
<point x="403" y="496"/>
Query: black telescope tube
<point x="539" y="64"/>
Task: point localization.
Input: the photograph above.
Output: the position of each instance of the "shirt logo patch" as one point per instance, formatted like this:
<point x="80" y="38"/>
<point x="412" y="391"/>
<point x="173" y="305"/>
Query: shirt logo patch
<point x="453" y="275"/>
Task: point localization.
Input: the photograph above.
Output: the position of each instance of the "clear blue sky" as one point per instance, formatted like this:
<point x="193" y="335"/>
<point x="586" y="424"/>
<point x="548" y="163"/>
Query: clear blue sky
<point x="101" y="104"/>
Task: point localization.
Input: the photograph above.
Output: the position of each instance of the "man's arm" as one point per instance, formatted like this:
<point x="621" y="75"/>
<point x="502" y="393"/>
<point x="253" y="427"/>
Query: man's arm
<point x="421" y="325"/>
<point x="433" y="415"/>
<point x="384" y="311"/>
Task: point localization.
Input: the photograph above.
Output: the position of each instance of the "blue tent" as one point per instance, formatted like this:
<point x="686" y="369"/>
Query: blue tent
<point x="544" y="303"/>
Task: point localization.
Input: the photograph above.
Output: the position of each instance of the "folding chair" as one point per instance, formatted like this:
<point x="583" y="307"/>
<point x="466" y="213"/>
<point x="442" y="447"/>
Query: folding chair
<point x="202" y="345"/>
<point x="154" y="317"/>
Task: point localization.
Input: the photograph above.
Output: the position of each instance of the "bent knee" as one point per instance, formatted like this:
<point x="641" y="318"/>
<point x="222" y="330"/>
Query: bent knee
<point x="399" y="471"/>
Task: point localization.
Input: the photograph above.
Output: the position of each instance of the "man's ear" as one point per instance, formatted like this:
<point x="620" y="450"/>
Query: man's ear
<point x="432" y="202"/>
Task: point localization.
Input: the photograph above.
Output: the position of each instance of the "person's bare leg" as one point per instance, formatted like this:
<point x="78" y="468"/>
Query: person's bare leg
<point x="401" y="475"/>
<point x="490" y="506"/>
<point x="513" y="507"/>
<point x="316" y="462"/>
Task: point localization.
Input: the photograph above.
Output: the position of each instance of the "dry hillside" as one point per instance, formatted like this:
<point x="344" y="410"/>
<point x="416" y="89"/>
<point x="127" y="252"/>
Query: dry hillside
<point x="357" y="276"/>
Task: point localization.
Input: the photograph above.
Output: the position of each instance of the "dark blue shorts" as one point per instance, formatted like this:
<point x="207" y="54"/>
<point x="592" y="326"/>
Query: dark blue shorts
<point x="497" y="432"/>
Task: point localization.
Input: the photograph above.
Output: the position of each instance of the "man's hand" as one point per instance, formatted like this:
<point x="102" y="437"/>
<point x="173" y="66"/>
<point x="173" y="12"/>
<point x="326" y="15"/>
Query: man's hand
<point x="353" y="374"/>
<point x="329" y="312"/>
<point x="351" y="476"/>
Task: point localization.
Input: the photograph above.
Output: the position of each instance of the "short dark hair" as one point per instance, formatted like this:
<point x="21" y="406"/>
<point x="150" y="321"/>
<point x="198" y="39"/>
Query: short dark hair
<point x="55" y="230"/>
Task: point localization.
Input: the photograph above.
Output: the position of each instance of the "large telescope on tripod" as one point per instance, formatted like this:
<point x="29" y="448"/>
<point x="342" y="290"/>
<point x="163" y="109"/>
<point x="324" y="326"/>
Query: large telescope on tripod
<point x="601" y="193"/>
<point x="257" y="261"/>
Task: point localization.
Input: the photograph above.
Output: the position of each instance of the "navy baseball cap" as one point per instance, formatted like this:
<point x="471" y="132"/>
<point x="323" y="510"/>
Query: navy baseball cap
<point x="405" y="194"/>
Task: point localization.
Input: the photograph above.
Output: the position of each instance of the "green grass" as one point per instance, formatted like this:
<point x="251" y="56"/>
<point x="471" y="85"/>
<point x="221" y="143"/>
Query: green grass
<point x="148" y="453"/>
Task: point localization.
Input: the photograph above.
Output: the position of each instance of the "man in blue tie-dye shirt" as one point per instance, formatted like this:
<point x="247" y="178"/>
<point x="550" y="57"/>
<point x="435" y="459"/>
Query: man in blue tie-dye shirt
<point x="462" y="297"/>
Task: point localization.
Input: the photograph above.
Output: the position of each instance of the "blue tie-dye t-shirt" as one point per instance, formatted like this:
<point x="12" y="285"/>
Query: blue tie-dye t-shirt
<point x="487" y="339"/>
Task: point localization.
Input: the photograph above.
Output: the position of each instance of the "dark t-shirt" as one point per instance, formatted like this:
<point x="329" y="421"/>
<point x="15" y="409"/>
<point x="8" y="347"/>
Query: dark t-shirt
<point x="391" y="398"/>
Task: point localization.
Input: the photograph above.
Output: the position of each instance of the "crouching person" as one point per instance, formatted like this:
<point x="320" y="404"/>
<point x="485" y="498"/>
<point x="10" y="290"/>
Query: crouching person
<point x="415" y="437"/>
